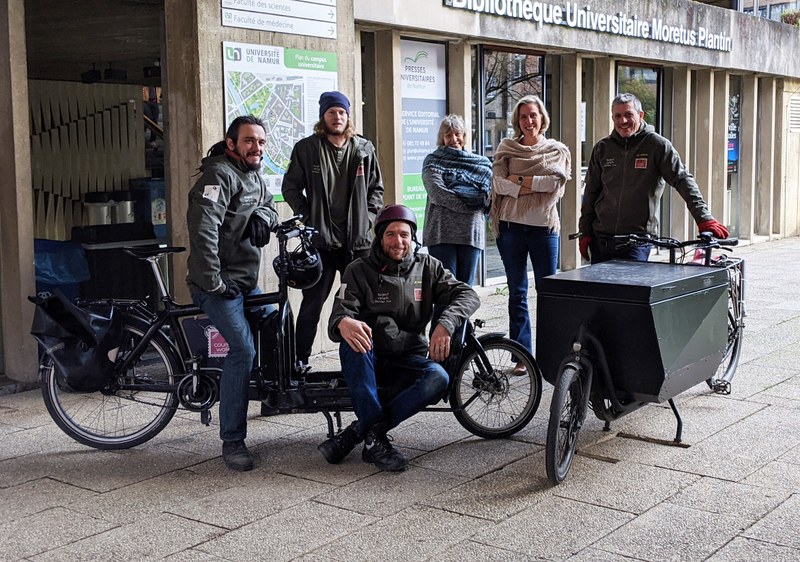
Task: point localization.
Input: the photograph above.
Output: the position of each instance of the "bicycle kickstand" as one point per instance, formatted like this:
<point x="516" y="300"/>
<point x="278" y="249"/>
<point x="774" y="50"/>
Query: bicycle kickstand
<point x="205" y="417"/>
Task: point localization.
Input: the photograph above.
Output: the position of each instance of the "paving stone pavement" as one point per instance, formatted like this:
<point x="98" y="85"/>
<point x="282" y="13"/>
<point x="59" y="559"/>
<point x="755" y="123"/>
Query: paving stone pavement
<point x="732" y="494"/>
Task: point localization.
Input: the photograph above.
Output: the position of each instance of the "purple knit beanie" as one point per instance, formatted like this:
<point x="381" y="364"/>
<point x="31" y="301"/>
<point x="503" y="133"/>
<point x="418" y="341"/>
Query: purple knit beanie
<point x="333" y="99"/>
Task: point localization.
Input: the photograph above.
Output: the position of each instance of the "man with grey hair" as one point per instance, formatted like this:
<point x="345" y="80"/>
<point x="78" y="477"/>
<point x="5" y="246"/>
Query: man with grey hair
<point x="624" y="184"/>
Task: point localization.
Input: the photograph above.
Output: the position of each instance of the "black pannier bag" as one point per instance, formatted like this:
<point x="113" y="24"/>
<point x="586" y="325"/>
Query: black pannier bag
<point x="83" y="344"/>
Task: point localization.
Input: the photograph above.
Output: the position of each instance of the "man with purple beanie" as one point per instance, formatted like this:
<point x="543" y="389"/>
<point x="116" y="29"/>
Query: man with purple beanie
<point x="335" y="182"/>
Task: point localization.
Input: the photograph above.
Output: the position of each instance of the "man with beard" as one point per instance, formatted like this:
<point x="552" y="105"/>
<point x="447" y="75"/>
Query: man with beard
<point x="335" y="182"/>
<point x="624" y="184"/>
<point x="230" y="217"/>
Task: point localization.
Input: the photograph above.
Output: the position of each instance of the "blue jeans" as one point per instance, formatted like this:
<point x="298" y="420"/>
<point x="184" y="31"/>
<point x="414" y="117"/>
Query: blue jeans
<point x="516" y="243"/>
<point x="604" y="249"/>
<point x="461" y="260"/>
<point x="414" y="382"/>
<point x="228" y="317"/>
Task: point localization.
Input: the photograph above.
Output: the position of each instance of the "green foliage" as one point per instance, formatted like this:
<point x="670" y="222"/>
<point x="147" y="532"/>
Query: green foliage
<point x="792" y="17"/>
<point x="645" y="92"/>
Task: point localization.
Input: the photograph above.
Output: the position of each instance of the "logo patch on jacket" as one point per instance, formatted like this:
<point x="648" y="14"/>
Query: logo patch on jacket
<point x="360" y="170"/>
<point x="418" y="294"/>
<point x="640" y="163"/>
<point x="211" y="192"/>
<point x="609" y="163"/>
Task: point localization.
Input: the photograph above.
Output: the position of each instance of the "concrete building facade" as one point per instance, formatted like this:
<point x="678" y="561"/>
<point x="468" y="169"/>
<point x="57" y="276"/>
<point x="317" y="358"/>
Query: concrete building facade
<point x="712" y="77"/>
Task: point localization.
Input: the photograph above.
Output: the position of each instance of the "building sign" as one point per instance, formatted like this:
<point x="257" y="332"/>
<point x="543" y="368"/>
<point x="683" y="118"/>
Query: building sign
<point x="581" y="16"/>
<point x="423" y="88"/>
<point x="733" y="134"/>
<point x="316" y="18"/>
<point x="280" y="86"/>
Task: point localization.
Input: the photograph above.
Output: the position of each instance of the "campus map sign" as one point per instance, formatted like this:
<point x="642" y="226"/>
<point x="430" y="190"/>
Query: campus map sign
<point x="581" y="16"/>
<point x="423" y="88"/>
<point x="281" y="87"/>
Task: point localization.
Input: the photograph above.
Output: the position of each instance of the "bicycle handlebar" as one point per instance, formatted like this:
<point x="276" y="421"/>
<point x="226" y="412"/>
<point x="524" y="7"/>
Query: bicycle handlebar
<point x="292" y="228"/>
<point x="705" y="240"/>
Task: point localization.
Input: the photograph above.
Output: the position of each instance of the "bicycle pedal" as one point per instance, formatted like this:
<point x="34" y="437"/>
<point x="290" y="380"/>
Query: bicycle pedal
<point x="722" y="387"/>
<point x="205" y="417"/>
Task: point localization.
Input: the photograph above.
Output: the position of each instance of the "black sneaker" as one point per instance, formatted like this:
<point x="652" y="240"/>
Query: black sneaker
<point x="378" y="450"/>
<point x="339" y="446"/>
<point x="236" y="456"/>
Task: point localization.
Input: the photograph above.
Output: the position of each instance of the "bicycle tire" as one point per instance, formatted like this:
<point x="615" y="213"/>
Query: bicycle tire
<point x="733" y="346"/>
<point x="567" y="413"/>
<point x="493" y="403"/>
<point x="118" y="419"/>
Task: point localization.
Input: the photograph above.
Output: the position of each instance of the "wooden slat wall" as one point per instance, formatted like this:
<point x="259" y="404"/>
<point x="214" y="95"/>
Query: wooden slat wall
<point x="84" y="137"/>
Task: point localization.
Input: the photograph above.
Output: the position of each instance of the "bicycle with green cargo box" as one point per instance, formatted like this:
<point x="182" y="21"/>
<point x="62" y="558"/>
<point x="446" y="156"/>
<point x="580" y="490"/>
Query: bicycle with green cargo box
<point x="633" y="333"/>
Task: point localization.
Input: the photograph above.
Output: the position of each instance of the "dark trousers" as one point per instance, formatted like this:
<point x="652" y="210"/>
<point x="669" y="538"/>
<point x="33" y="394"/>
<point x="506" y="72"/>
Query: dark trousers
<point x="314" y="298"/>
<point x="604" y="249"/>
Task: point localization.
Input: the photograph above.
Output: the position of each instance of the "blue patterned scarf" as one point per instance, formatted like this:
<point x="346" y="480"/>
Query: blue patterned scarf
<point x="467" y="175"/>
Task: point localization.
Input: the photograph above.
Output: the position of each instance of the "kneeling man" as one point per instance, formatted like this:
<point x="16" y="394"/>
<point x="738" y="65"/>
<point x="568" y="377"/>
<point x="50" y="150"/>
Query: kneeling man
<point x="380" y="314"/>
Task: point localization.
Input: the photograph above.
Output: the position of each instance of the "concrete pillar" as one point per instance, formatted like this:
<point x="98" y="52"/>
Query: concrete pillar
<point x="571" y="79"/>
<point x="182" y="112"/>
<point x="703" y="135"/>
<point x="19" y="353"/>
<point x="719" y="204"/>
<point x="459" y="84"/>
<point x="603" y="91"/>
<point x="681" y="137"/>
<point x="779" y="166"/>
<point x="388" y="105"/>
<point x="748" y="155"/>
<point x="766" y="157"/>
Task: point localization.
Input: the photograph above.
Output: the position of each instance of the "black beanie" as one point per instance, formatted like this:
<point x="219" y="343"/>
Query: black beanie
<point x="333" y="99"/>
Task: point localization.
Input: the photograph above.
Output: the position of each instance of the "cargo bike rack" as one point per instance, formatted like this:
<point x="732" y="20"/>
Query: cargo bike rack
<point x="626" y="334"/>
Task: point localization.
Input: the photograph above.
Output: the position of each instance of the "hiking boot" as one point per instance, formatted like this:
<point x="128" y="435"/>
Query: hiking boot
<point x="378" y="450"/>
<point x="339" y="446"/>
<point x="236" y="456"/>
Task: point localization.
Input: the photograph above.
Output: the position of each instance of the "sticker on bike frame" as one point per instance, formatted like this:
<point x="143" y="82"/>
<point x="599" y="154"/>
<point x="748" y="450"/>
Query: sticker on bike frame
<point x="217" y="346"/>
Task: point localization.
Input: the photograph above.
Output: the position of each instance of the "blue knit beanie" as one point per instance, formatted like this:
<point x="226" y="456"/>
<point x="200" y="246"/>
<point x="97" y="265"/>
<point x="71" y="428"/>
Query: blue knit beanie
<point x="333" y="99"/>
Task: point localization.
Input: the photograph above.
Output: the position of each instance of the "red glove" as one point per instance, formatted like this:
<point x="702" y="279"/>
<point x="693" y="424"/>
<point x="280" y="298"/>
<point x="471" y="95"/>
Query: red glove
<point x="583" y="244"/>
<point x="714" y="227"/>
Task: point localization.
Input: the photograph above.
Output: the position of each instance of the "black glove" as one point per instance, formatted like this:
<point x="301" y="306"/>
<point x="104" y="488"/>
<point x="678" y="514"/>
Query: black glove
<point x="258" y="231"/>
<point x="231" y="291"/>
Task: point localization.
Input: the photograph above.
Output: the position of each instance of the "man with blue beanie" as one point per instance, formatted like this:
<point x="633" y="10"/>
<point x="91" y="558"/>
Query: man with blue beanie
<point x="335" y="182"/>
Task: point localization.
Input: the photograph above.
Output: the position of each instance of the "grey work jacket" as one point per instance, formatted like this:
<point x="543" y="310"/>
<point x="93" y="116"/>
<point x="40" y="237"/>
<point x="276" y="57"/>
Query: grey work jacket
<point x="220" y="205"/>
<point x="625" y="182"/>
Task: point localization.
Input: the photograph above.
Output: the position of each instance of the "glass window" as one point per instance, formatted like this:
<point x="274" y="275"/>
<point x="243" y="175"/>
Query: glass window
<point x="500" y="79"/>
<point x="644" y="83"/>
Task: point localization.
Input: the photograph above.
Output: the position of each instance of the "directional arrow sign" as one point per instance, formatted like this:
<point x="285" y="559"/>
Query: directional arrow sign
<point x="280" y="24"/>
<point x="285" y="8"/>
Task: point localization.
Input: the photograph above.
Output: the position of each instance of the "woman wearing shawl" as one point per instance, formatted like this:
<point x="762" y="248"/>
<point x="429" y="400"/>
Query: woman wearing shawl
<point x="458" y="184"/>
<point x="530" y="172"/>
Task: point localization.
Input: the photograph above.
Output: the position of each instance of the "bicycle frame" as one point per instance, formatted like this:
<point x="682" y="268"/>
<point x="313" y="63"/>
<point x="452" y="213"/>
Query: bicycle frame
<point x="289" y="389"/>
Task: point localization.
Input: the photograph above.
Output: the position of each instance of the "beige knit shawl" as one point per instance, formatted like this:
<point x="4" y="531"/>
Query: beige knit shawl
<point x="547" y="157"/>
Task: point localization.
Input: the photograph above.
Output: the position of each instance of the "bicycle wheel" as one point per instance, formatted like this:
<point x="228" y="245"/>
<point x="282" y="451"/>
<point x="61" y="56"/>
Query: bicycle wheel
<point x="720" y="382"/>
<point x="122" y="418"/>
<point x="488" y="400"/>
<point x="567" y="414"/>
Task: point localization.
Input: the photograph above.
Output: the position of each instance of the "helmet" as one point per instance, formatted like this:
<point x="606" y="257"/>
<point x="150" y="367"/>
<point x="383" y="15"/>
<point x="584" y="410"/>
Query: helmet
<point x="391" y="213"/>
<point x="302" y="266"/>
